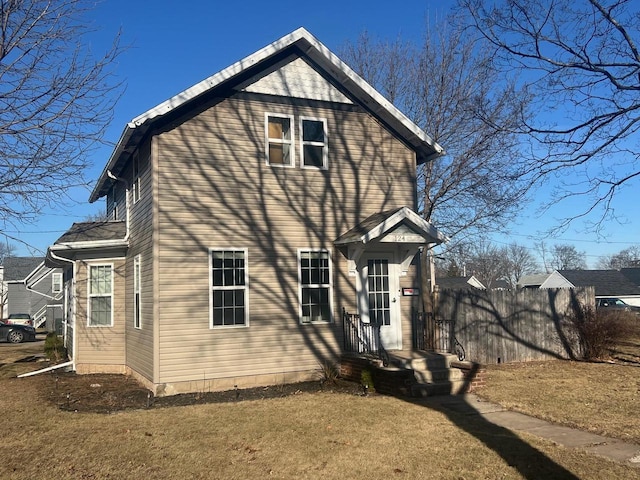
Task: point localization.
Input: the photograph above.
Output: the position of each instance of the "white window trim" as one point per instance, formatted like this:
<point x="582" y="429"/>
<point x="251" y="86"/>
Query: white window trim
<point x="54" y="283"/>
<point x="234" y="287"/>
<point x="323" y="250"/>
<point x="137" y="290"/>
<point x="135" y="185"/>
<point x="90" y="295"/>
<point x="292" y="150"/>
<point x="324" y="145"/>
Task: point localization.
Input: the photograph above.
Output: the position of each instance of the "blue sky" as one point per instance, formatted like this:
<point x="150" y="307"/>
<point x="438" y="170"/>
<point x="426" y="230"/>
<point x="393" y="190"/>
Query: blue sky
<point x="173" y="45"/>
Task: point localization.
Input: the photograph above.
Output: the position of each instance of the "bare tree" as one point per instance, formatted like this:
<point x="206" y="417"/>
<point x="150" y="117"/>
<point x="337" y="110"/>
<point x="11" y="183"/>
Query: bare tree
<point x="56" y="99"/>
<point x="567" y="257"/>
<point x="520" y="262"/>
<point x="628" y="257"/>
<point x="488" y="263"/>
<point x="581" y="60"/>
<point x="449" y="87"/>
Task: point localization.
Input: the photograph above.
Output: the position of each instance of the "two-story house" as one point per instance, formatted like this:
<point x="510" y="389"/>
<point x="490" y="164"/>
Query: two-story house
<point x="247" y="212"/>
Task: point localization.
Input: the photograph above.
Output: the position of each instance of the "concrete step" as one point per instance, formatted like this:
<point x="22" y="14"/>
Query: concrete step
<point x="440" y="375"/>
<point x="430" y="362"/>
<point x="421" y="390"/>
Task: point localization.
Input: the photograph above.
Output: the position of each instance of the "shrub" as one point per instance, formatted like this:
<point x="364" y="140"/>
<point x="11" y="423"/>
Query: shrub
<point x="54" y="348"/>
<point x="600" y="331"/>
<point x="329" y="372"/>
<point x="366" y="379"/>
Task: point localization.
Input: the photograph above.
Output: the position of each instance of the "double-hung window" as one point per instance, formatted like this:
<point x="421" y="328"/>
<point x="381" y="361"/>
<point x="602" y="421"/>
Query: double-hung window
<point x="137" y="304"/>
<point x="313" y="147"/>
<point x="280" y="138"/>
<point x="135" y="185"/>
<point x="56" y="282"/>
<point x="100" y="311"/>
<point x="315" y="286"/>
<point x="229" y="288"/>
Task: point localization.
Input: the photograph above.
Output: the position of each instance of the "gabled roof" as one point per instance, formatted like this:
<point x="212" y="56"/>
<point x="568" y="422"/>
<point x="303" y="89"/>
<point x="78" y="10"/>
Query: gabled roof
<point x="301" y="43"/>
<point x="379" y="224"/>
<point x="606" y="282"/>
<point x="534" y="280"/>
<point x="17" y="269"/>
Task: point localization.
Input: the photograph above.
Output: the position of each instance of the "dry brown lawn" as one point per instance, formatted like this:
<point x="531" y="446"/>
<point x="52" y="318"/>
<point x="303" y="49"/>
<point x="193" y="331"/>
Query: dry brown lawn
<point x="599" y="397"/>
<point x="306" y="435"/>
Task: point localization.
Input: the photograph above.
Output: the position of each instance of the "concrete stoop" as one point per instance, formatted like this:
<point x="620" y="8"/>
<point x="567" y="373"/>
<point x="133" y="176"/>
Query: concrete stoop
<point x="432" y="374"/>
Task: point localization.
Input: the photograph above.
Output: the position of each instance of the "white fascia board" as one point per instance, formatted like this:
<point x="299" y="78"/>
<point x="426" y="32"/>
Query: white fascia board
<point x="399" y="216"/>
<point x="316" y="50"/>
<point x="61" y="247"/>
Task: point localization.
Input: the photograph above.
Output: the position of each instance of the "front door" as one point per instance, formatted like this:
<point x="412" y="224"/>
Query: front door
<point x="379" y="299"/>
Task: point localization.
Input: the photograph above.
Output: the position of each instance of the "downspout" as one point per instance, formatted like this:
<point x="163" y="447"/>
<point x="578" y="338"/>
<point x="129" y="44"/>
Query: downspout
<point x="73" y="309"/>
<point x="126" y="199"/>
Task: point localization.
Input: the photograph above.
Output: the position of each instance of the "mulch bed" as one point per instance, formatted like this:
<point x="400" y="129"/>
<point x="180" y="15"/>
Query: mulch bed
<point x="112" y="393"/>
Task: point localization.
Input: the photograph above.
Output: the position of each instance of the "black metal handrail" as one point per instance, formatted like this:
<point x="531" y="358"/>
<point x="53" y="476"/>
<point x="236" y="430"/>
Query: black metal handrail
<point x="362" y="337"/>
<point x="435" y="334"/>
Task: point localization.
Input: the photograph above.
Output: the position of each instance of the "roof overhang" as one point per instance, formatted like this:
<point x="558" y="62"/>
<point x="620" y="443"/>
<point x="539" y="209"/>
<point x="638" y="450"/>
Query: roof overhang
<point x="424" y="146"/>
<point x="380" y="227"/>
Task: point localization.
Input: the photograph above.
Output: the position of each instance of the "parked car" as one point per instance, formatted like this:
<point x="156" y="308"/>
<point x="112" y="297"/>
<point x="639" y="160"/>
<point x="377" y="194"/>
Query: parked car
<point x="616" y="304"/>
<point x="20" y="319"/>
<point x="17" y="333"/>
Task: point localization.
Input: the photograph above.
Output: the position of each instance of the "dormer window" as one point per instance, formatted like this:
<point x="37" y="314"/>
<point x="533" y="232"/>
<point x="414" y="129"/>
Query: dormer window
<point x="279" y="134"/>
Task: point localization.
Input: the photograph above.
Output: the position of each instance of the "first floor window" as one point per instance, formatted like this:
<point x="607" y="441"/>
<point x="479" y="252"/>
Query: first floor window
<point x="228" y="288"/>
<point x="137" y="306"/>
<point x="100" y="295"/>
<point x="315" y="286"/>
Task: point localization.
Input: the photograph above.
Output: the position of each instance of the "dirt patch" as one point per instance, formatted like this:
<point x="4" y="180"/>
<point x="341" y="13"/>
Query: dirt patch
<point x="113" y="393"/>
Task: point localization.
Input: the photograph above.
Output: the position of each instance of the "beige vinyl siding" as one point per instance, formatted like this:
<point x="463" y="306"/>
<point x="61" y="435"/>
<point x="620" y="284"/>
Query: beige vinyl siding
<point x="215" y="191"/>
<point x="139" y="346"/>
<point x="100" y="346"/>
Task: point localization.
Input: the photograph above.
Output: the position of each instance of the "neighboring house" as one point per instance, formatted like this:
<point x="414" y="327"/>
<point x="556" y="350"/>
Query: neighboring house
<point x="459" y="283"/>
<point x="247" y="212"/>
<point x="533" y="281"/>
<point x="607" y="283"/>
<point x="35" y="289"/>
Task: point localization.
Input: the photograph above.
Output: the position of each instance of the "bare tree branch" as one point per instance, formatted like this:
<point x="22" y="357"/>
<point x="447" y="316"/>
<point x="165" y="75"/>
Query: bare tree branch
<point x="56" y="100"/>
<point x="580" y="60"/>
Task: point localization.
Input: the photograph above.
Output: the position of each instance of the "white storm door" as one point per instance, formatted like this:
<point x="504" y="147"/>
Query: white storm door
<point x="379" y="303"/>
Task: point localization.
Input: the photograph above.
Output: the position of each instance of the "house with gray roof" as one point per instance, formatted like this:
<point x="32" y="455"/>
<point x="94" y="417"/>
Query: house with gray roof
<point x="622" y="284"/>
<point x="251" y="215"/>
<point x="34" y="288"/>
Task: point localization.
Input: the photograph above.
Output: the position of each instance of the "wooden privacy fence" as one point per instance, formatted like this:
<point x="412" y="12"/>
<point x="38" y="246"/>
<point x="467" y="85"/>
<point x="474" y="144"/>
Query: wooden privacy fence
<point x="499" y="326"/>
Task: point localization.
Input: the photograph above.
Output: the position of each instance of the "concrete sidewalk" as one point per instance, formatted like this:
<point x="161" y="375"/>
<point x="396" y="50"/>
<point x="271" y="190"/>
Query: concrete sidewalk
<point x="470" y="404"/>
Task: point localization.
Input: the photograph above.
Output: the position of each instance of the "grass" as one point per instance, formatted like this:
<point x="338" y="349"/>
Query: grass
<point x="322" y="435"/>
<point x="600" y="397"/>
<point x="325" y="435"/>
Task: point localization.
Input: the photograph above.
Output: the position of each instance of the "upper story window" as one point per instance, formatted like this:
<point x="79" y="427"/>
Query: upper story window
<point x="137" y="304"/>
<point x="56" y="282"/>
<point x="135" y="185"/>
<point x="279" y="133"/>
<point x="313" y="148"/>
<point x="112" y="203"/>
